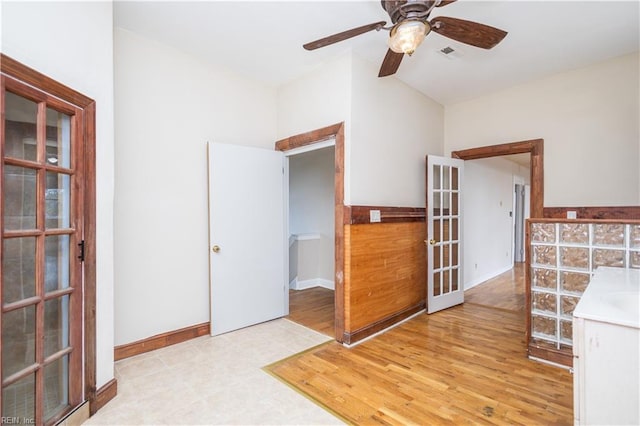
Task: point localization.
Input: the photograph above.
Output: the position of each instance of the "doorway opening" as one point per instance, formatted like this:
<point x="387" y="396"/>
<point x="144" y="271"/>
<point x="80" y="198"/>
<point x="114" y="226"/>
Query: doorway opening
<point x="521" y="212"/>
<point x="312" y="141"/>
<point x="507" y="290"/>
<point x="311" y="181"/>
<point x="534" y="147"/>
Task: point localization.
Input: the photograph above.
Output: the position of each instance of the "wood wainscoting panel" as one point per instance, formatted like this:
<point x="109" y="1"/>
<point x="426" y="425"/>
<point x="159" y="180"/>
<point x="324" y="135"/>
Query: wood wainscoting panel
<point x="614" y="212"/>
<point x="385" y="275"/>
<point x="545" y="351"/>
<point x="161" y="340"/>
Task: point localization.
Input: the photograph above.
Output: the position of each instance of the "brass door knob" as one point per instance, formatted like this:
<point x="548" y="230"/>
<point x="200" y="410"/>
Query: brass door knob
<point x="432" y="241"/>
<point x="215" y="249"/>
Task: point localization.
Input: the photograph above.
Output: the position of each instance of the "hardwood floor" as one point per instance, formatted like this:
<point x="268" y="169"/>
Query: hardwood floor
<point x="466" y="364"/>
<point x="313" y="308"/>
<point x="506" y="291"/>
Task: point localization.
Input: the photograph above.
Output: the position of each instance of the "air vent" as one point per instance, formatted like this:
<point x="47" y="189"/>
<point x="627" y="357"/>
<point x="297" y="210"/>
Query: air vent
<point x="450" y="53"/>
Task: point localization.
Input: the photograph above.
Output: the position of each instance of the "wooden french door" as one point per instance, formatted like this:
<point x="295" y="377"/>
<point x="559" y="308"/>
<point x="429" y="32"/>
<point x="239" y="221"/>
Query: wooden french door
<point x="42" y="225"/>
<point x="444" y="233"/>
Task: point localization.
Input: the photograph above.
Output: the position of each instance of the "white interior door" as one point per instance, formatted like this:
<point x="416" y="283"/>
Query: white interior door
<point x="247" y="236"/>
<point x="444" y="233"/>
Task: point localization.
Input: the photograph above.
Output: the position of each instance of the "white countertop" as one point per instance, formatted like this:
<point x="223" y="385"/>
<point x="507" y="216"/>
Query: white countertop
<point x="612" y="296"/>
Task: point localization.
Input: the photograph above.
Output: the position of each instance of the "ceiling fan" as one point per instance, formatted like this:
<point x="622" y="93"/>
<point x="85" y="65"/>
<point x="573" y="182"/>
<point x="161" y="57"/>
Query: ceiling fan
<point x="411" y="26"/>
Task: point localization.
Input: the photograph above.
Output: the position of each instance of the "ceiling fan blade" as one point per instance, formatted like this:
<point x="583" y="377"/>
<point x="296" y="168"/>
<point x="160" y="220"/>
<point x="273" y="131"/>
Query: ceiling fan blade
<point x="467" y="32"/>
<point x="391" y="63"/>
<point x="445" y="2"/>
<point x="343" y="35"/>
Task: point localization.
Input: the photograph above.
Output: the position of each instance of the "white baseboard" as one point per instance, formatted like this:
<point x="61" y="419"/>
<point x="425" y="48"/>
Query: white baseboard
<point x="486" y="277"/>
<point x="296" y="284"/>
<point x="293" y="284"/>
<point x="326" y="283"/>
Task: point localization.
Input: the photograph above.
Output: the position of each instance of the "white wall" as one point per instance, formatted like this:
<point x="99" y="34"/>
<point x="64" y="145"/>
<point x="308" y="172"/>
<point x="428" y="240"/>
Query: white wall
<point x="393" y="128"/>
<point x="293" y="259"/>
<point x="311" y="205"/>
<point x="308" y="266"/>
<point x="72" y="42"/>
<point x="589" y="119"/>
<point x="168" y="105"/>
<point x="318" y="99"/>
<point x="487" y="226"/>
<point x="389" y="128"/>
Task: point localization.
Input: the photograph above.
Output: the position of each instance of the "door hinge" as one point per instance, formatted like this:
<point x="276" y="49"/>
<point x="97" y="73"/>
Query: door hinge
<point x="81" y="255"/>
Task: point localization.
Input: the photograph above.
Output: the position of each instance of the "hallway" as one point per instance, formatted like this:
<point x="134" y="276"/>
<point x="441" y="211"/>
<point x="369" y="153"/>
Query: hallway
<point x="506" y="291"/>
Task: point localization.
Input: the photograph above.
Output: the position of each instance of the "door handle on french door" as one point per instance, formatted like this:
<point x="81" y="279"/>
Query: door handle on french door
<point x="432" y="241"/>
<point x="215" y="249"/>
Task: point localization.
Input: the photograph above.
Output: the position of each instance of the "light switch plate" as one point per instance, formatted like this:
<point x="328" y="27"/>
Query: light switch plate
<point x="374" y="216"/>
<point x="572" y="214"/>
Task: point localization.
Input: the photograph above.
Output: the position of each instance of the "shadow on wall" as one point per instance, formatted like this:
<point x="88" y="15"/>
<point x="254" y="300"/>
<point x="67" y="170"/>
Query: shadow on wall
<point x="306" y="253"/>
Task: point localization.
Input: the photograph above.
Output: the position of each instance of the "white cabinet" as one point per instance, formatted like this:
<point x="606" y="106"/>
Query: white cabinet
<point x="606" y="349"/>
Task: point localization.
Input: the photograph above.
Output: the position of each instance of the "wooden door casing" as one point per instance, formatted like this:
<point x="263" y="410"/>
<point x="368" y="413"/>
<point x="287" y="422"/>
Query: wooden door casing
<point x="31" y="84"/>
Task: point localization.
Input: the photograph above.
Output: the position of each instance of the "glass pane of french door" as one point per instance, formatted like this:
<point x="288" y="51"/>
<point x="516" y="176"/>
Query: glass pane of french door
<point x="41" y="291"/>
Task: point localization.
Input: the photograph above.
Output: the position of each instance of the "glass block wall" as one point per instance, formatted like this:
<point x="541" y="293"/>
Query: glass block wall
<point x="564" y="255"/>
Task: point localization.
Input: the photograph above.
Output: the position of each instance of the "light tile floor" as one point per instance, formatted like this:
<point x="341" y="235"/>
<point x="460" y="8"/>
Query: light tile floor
<point x="215" y="380"/>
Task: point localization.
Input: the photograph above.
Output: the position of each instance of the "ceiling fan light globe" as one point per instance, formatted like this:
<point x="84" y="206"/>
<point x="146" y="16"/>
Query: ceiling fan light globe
<point x="407" y="36"/>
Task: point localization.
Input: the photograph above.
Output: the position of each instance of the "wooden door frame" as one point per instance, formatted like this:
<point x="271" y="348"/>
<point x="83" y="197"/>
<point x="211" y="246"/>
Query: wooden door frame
<point x="25" y="74"/>
<point x="309" y="138"/>
<point x="535" y="147"/>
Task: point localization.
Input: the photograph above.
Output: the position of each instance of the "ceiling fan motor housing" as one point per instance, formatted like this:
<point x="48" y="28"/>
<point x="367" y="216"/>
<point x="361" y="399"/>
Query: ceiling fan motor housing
<point x="399" y="10"/>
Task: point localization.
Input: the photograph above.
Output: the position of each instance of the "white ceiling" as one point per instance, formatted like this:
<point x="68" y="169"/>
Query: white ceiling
<point x="263" y="39"/>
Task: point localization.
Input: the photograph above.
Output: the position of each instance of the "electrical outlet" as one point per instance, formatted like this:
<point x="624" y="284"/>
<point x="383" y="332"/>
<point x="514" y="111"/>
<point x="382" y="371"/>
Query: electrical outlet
<point x="572" y="214"/>
<point x="374" y="216"/>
